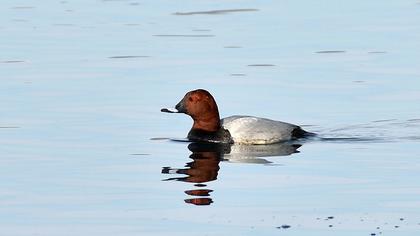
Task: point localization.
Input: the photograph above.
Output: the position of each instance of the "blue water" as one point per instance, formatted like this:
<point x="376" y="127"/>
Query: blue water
<point x="84" y="148"/>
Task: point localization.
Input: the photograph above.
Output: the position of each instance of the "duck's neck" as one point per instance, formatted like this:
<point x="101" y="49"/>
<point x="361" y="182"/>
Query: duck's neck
<point x="208" y="124"/>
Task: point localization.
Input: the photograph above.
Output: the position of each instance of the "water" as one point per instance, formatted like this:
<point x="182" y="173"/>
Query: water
<point x="83" y="147"/>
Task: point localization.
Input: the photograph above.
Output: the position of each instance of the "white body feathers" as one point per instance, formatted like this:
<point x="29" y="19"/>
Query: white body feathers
<point x="256" y="130"/>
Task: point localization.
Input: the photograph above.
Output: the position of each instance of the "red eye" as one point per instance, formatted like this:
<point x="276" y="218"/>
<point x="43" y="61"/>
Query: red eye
<point x="190" y="99"/>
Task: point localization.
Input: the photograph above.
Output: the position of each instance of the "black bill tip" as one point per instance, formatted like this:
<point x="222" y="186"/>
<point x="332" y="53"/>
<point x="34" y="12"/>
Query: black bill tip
<point x="169" y="110"/>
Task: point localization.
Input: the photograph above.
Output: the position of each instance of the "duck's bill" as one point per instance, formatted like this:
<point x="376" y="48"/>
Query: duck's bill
<point x="169" y="110"/>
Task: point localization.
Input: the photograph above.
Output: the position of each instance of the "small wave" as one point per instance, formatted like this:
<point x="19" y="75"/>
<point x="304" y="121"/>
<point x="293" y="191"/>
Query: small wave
<point x="351" y="139"/>
<point x="127" y="57"/>
<point x="185" y="35"/>
<point x="384" y="130"/>
<point x="261" y="65"/>
<point x="214" y="12"/>
<point x="331" y="51"/>
<point x="12" y="61"/>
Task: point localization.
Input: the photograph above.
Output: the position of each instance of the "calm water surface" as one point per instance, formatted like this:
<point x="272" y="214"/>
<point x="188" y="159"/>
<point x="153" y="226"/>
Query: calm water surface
<point x="84" y="148"/>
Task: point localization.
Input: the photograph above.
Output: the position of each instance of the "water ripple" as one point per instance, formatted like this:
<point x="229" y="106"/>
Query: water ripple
<point x="214" y="12"/>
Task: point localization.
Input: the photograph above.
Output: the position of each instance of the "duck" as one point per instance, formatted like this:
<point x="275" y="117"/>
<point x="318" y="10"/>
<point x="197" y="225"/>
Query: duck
<point x="201" y="106"/>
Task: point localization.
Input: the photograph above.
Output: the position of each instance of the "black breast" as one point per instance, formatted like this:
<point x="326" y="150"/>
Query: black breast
<point x="220" y="136"/>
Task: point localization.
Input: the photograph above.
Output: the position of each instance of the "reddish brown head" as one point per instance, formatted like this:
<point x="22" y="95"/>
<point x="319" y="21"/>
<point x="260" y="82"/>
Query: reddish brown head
<point x="201" y="106"/>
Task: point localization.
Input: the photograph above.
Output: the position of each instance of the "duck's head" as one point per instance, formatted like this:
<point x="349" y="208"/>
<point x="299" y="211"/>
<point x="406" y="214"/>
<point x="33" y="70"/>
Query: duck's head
<point x="201" y="106"/>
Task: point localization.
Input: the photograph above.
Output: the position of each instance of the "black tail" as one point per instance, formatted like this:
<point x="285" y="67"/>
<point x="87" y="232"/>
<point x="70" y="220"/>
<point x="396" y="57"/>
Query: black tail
<point x="298" y="132"/>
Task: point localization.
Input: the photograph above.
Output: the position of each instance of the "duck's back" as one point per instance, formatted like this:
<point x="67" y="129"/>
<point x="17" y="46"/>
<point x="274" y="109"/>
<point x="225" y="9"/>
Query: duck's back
<point x="256" y="130"/>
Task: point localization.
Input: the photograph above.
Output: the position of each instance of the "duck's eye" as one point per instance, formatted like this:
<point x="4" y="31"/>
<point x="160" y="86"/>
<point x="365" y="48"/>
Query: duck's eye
<point x="190" y="99"/>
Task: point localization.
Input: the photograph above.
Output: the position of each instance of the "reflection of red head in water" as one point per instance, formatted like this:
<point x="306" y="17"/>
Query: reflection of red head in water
<point x="204" y="168"/>
<point x="199" y="201"/>
<point x="199" y="193"/>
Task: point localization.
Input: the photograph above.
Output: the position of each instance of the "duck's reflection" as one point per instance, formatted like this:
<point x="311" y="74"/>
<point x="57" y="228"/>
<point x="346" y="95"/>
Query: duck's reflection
<point x="207" y="156"/>
<point x="204" y="168"/>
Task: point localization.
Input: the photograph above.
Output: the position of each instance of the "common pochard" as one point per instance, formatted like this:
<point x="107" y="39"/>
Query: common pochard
<point x="208" y="127"/>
